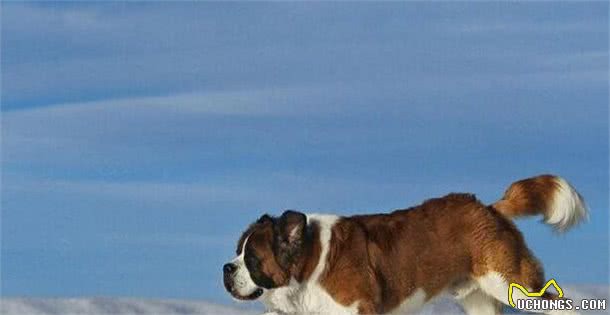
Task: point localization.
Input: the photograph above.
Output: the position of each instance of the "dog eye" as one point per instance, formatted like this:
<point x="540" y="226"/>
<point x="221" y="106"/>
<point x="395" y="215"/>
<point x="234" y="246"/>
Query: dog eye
<point x="251" y="260"/>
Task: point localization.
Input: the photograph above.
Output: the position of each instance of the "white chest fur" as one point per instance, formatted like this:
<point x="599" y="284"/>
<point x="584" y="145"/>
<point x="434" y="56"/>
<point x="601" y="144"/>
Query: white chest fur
<point x="309" y="297"/>
<point x="305" y="299"/>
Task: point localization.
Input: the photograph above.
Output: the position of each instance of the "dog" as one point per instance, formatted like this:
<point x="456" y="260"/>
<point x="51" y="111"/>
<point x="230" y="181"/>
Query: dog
<point x="393" y="263"/>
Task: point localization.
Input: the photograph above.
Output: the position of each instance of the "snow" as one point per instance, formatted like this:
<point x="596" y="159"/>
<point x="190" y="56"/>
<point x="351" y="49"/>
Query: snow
<point x="107" y="306"/>
<point x="128" y="306"/>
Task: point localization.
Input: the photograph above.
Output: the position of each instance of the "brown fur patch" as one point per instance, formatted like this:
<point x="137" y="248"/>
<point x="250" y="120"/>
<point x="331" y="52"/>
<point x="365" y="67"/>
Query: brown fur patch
<point x="379" y="260"/>
<point x="530" y="196"/>
<point x="261" y="246"/>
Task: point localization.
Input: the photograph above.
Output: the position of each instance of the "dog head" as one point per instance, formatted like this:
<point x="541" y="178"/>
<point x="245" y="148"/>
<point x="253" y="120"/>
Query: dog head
<point x="267" y="253"/>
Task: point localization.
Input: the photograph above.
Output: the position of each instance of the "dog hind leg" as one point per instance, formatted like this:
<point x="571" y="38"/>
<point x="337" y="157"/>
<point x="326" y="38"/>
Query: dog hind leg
<point x="478" y="302"/>
<point x="495" y="285"/>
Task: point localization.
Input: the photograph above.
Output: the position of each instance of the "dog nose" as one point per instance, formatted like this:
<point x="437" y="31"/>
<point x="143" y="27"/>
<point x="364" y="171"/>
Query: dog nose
<point x="229" y="268"/>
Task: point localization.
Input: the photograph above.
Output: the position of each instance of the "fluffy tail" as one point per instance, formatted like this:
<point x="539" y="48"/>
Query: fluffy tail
<point x="549" y="195"/>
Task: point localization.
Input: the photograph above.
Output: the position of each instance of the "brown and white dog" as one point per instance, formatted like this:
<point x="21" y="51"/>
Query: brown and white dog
<point x="395" y="262"/>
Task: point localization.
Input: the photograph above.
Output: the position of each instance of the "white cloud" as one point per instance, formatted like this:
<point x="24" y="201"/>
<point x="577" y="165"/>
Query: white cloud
<point x="57" y="52"/>
<point x="531" y="26"/>
<point x="256" y="192"/>
<point x="118" y="132"/>
<point x="234" y="102"/>
<point x="170" y="239"/>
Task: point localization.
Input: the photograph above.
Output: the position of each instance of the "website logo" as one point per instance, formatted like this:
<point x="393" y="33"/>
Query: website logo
<point x="533" y="301"/>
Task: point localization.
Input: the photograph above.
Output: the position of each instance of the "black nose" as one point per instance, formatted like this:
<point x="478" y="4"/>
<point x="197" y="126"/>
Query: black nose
<point x="229" y="268"/>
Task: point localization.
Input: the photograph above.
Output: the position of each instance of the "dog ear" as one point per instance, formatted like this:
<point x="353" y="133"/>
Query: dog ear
<point x="265" y="218"/>
<point x="290" y="237"/>
<point x="292" y="226"/>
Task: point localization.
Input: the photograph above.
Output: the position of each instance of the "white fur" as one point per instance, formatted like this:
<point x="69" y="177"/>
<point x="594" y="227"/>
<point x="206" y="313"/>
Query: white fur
<point x="496" y="286"/>
<point x="476" y="302"/>
<point x="326" y="223"/>
<point x="567" y="208"/>
<point x="242" y="282"/>
<point x="412" y="303"/>
<point x="309" y="297"/>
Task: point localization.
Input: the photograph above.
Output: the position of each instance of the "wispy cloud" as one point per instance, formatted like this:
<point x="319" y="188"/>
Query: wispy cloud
<point x="513" y="26"/>
<point x="170" y="239"/>
<point x="281" y="101"/>
<point x="244" y="193"/>
<point x="95" y="50"/>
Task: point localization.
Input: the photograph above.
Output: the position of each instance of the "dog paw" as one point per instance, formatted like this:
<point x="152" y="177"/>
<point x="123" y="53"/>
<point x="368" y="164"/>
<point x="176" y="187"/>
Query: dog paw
<point x="463" y="289"/>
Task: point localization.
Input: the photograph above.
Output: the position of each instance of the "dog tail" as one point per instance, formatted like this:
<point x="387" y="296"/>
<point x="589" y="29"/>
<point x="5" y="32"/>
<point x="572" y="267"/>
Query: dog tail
<point x="552" y="196"/>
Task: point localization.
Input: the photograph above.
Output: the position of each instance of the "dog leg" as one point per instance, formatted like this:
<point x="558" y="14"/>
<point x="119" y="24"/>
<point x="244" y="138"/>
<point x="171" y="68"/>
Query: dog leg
<point x="462" y="289"/>
<point x="476" y="302"/>
<point x="495" y="285"/>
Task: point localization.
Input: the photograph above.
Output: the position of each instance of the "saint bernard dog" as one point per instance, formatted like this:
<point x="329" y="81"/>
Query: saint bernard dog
<point x="393" y="263"/>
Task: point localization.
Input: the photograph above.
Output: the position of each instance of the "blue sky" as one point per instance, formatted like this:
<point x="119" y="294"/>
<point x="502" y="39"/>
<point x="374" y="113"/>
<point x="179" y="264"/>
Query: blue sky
<point x="139" y="139"/>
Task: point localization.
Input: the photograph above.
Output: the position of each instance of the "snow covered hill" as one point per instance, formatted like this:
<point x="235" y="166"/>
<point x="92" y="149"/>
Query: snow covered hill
<point x="129" y="306"/>
<point x="108" y="306"/>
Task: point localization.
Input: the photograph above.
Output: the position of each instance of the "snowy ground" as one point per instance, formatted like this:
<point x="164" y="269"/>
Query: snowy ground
<point x="108" y="306"/>
<point x="125" y="306"/>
